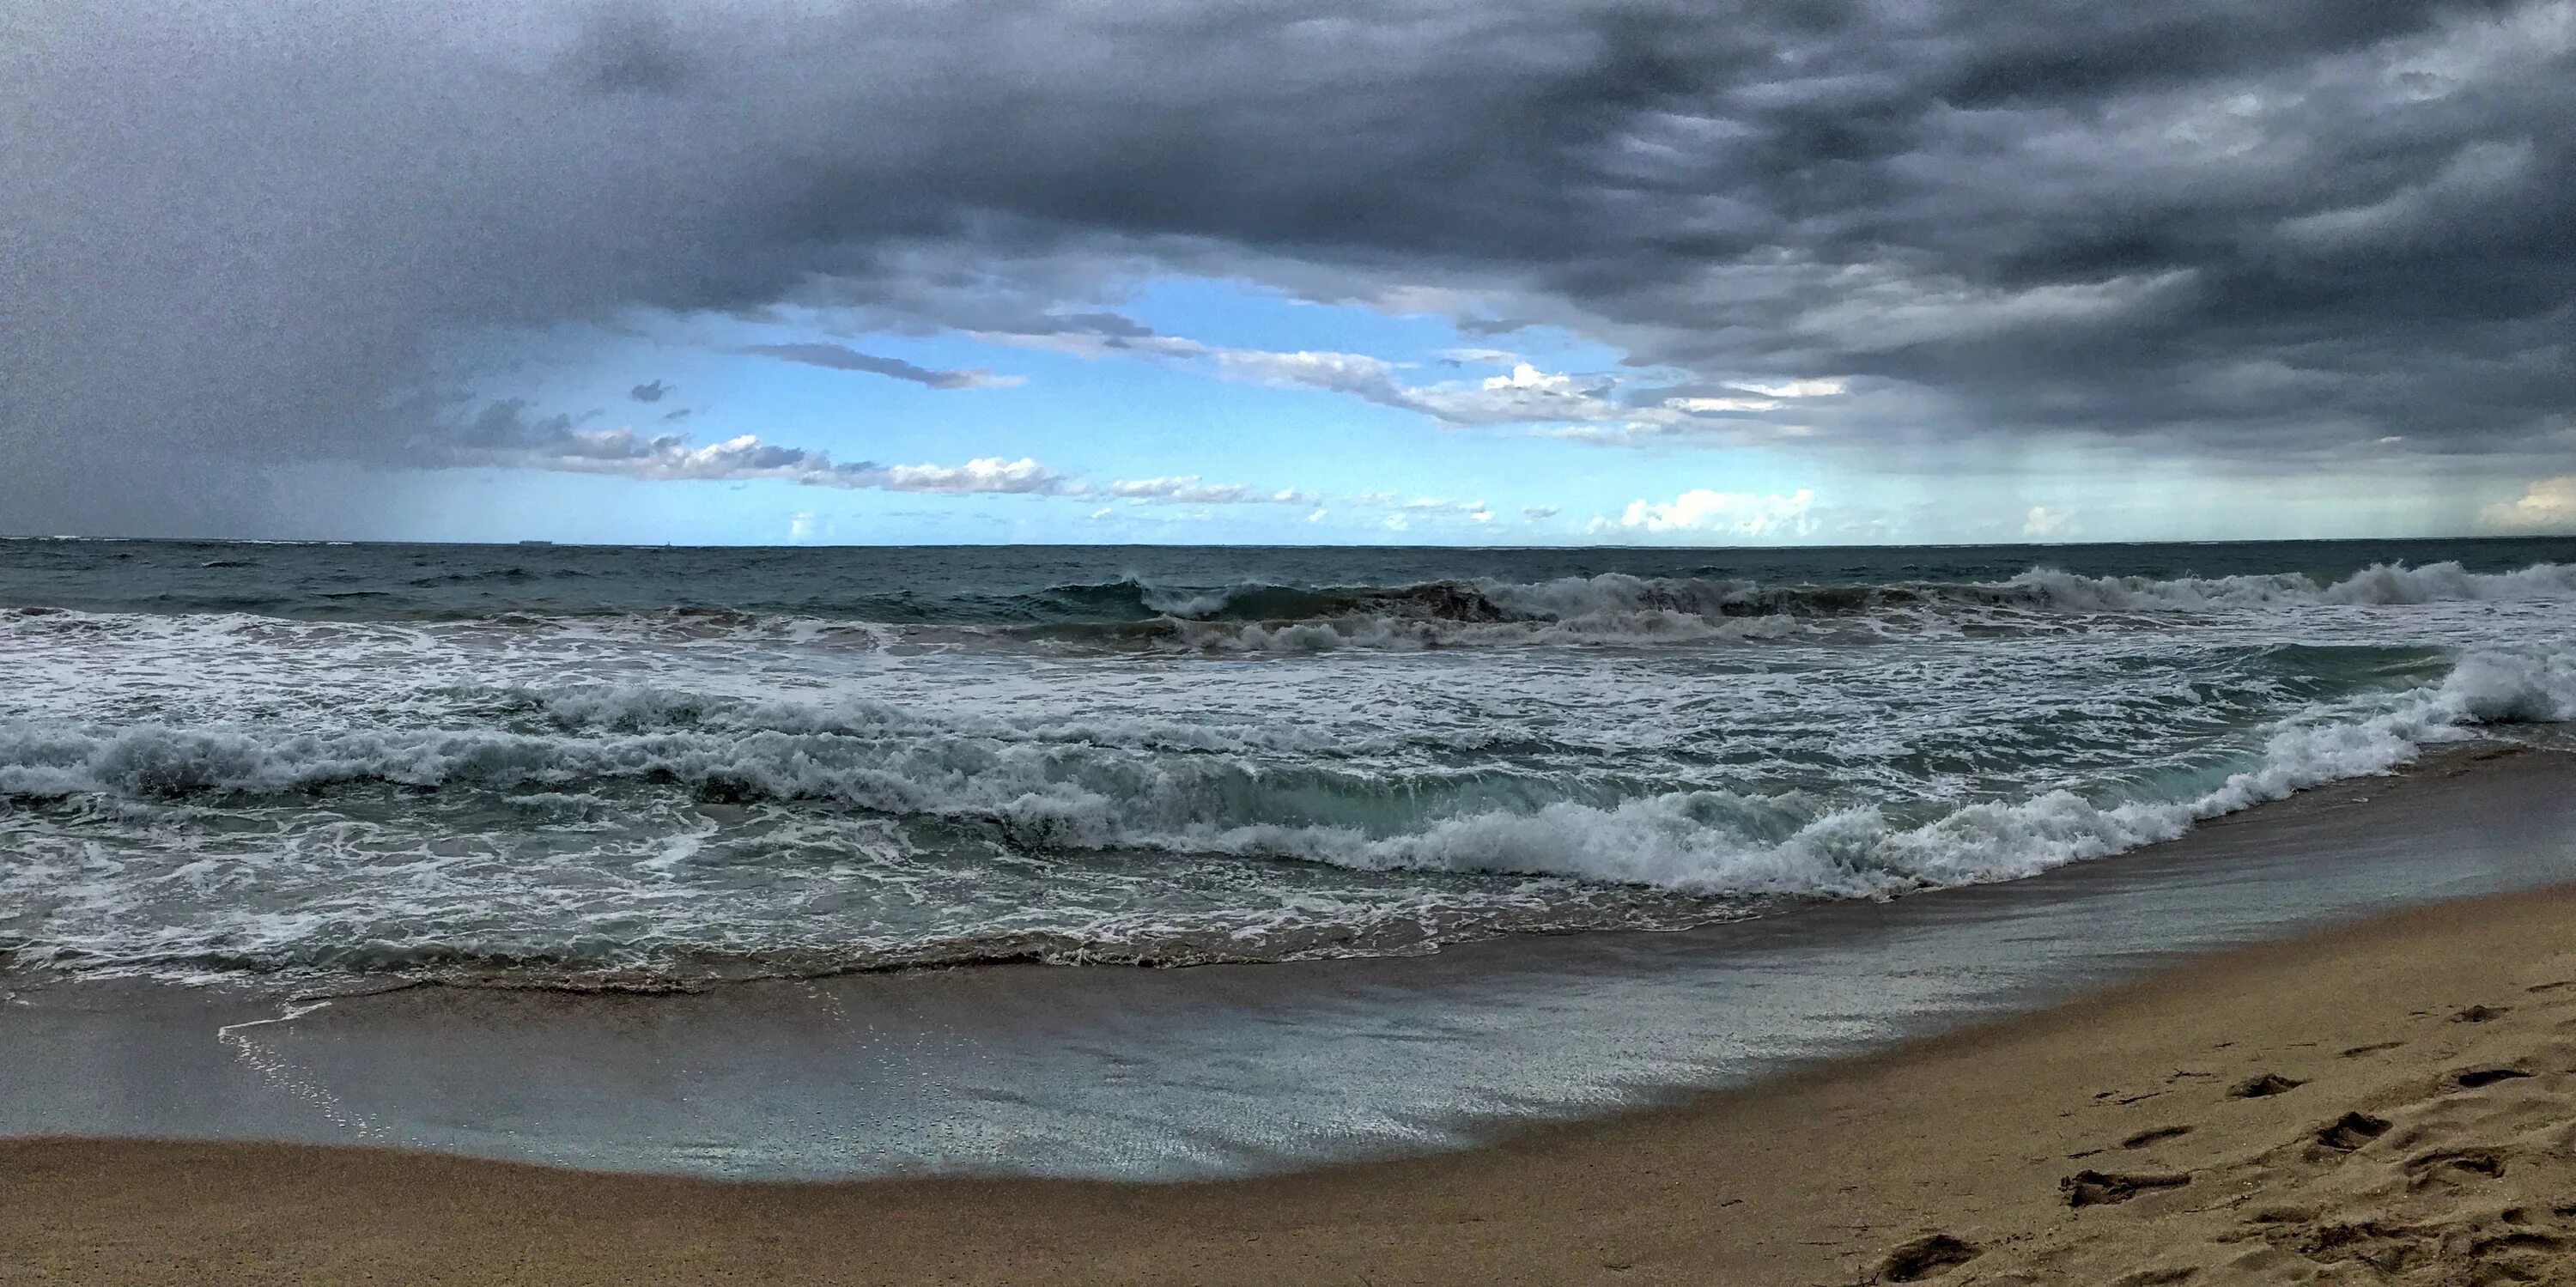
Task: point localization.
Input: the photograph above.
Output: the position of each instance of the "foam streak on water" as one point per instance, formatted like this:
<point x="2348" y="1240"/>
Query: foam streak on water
<point x="658" y="767"/>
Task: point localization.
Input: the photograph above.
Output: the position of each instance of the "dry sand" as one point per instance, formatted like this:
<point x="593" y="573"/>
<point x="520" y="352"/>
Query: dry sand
<point x="2389" y="1102"/>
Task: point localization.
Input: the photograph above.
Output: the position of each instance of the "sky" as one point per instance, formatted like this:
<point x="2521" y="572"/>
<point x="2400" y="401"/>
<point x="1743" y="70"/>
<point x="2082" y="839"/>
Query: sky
<point x="1502" y="272"/>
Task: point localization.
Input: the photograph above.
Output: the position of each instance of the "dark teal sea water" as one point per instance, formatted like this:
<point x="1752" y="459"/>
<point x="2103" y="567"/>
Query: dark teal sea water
<point x="1123" y="584"/>
<point x="587" y="764"/>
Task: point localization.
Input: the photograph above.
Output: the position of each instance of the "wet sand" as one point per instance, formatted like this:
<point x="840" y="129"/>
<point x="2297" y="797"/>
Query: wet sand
<point x="2389" y="1101"/>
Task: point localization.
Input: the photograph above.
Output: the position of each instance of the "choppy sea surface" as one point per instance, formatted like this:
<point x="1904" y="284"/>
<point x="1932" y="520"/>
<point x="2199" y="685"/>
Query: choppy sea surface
<point x="608" y="766"/>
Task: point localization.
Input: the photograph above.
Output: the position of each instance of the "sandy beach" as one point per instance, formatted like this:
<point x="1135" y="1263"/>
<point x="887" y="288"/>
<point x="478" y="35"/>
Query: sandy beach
<point x="2388" y="1101"/>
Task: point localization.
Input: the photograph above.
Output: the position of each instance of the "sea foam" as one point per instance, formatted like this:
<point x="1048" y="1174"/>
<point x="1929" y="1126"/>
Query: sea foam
<point x="1127" y="769"/>
<point x="1106" y="787"/>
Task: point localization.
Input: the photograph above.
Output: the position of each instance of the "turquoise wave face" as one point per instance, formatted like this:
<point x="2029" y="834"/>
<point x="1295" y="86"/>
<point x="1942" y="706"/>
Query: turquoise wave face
<point x="1252" y="768"/>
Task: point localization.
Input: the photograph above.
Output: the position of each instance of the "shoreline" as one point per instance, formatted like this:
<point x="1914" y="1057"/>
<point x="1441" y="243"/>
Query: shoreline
<point x="1234" y="1071"/>
<point x="1815" y="1176"/>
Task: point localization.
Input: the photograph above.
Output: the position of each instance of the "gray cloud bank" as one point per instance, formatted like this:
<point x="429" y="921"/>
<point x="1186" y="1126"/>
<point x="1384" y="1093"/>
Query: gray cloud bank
<point x="237" y="235"/>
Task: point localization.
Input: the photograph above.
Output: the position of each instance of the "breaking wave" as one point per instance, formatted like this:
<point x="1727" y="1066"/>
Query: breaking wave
<point x="1619" y="608"/>
<point x="1164" y="788"/>
<point x="1136" y="615"/>
<point x="640" y="768"/>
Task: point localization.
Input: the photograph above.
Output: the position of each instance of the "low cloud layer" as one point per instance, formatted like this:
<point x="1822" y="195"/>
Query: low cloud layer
<point x="505" y="436"/>
<point x="1190" y="489"/>
<point x="239" y="236"/>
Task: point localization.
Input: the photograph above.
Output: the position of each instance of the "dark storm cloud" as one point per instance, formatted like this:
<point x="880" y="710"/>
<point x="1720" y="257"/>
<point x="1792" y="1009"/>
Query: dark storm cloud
<point x="653" y="391"/>
<point x="260" y="232"/>
<point x="842" y="358"/>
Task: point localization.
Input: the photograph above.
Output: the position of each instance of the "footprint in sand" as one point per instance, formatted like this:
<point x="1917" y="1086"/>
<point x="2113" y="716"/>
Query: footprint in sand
<point x="2095" y="1188"/>
<point x="2481" y="1013"/>
<point x="2156" y="1277"/>
<point x="2473" y="1078"/>
<point x="2351" y="1131"/>
<point x="2454" y="1162"/>
<point x="1936" y="1253"/>
<point x="2263" y="1087"/>
<point x="2156" y="1136"/>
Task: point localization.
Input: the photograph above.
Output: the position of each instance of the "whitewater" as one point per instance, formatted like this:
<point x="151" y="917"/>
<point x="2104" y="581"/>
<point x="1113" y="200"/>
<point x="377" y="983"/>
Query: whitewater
<point x="573" y="766"/>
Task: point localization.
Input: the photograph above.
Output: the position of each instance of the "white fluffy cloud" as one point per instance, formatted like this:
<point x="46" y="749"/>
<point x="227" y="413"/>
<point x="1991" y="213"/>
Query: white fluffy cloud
<point x="2546" y="505"/>
<point x="988" y="474"/>
<point x="1523" y="395"/>
<point x="1722" y="513"/>
<point x="2043" y="521"/>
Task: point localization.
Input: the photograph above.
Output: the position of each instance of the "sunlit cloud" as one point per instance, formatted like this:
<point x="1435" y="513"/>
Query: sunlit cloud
<point x="2547" y="505"/>
<point x="1702" y="511"/>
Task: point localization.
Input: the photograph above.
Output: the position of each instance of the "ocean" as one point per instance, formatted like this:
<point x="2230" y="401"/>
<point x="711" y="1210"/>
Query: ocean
<point x="334" y="766"/>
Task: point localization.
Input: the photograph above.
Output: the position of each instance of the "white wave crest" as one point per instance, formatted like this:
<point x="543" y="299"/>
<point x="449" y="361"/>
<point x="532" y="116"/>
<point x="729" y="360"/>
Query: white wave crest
<point x="2379" y="585"/>
<point x="1619" y="609"/>
<point x="1389" y="633"/>
<point x="1087" y="795"/>
<point x="1608" y="609"/>
<point x="1677" y="841"/>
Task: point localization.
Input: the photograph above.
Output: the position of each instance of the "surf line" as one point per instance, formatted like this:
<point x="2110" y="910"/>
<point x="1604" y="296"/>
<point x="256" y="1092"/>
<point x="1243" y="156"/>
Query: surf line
<point x="277" y="1072"/>
<point x="290" y="1011"/>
